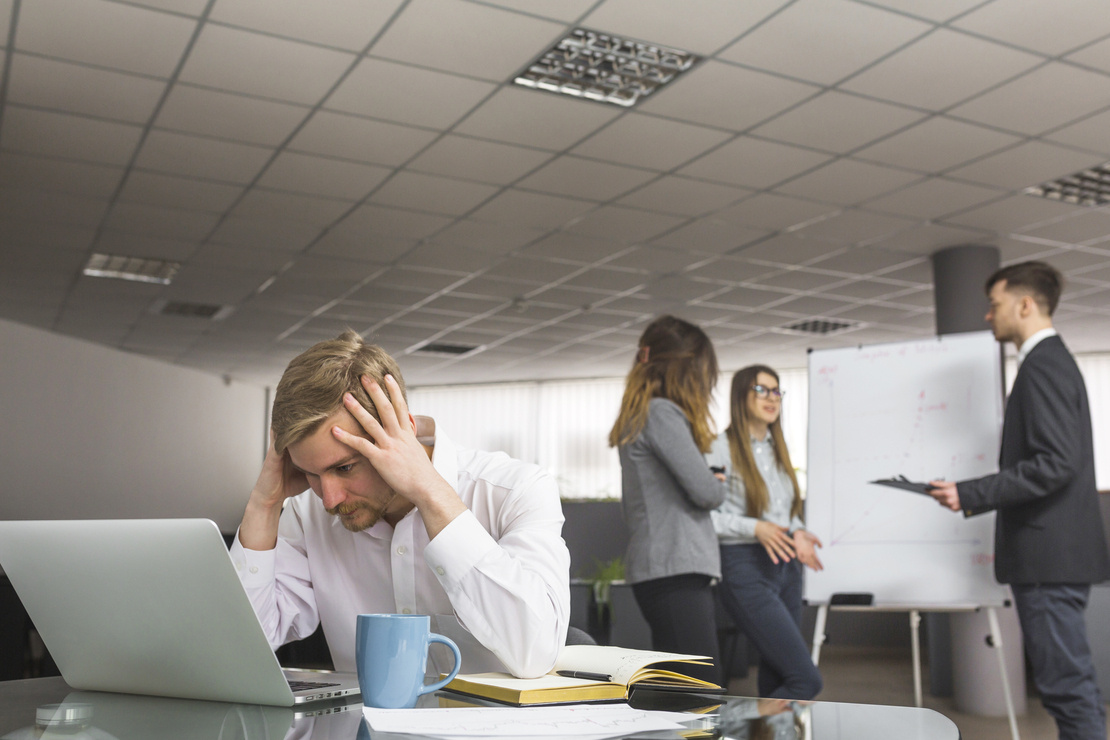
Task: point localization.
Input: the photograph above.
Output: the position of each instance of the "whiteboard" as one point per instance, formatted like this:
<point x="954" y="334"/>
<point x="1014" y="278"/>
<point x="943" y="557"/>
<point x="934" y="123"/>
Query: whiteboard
<point x="927" y="410"/>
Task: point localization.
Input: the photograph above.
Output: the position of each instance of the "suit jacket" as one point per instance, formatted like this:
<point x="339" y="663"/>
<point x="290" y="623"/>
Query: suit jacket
<point x="1049" y="529"/>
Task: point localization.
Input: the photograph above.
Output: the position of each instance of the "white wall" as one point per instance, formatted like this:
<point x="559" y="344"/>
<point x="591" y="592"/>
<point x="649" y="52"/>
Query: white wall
<point x="91" y="432"/>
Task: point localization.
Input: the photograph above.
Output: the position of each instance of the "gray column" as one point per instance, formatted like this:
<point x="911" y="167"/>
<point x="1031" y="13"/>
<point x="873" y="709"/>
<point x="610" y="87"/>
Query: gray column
<point x="959" y="274"/>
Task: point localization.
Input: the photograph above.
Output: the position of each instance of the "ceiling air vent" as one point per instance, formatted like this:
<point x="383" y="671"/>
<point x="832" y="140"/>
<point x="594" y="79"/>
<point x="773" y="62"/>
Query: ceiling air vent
<point x="606" y="68"/>
<point x="1091" y="187"/>
<point x="820" y="326"/>
<point x="443" y="348"/>
<point x="211" y="311"/>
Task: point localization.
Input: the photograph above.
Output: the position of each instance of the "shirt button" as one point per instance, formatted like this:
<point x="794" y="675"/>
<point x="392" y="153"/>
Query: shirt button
<point x="401" y="550"/>
<point x="440" y="570"/>
<point x="406" y="610"/>
<point x="254" y="569"/>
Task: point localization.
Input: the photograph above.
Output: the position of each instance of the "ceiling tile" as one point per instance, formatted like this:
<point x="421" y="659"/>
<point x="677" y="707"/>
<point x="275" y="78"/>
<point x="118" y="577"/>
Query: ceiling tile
<point x="937" y="144"/>
<point x="624" y="225"/>
<point x="240" y="257"/>
<point x="1037" y="26"/>
<point x="68" y="137"/>
<point x="303" y="173"/>
<point x="428" y="193"/>
<point x="710" y="235"/>
<point x="583" y="178"/>
<point x="862" y="261"/>
<point x="683" y="196"/>
<point x="499" y="164"/>
<point x="382" y="89"/>
<point x="730" y="270"/>
<point x="726" y="96"/>
<point x="679" y="287"/>
<point x="192" y="156"/>
<point x="538" y="210"/>
<point x="937" y="10"/>
<point x="533" y="269"/>
<point x="359" y="139"/>
<point x="657" y="260"/>
<point x="837" y="122"/>
<point x="700" y="26"/>
<point x="788" y="249"/>
<point x="346" y="24"/>
<point x="646" y="141"/>
<point x="75" y="88"/>
<point x="186" y="7"/>
<point x="275" y="234"/>
<point x="177" y="192"/>
<point x="1096" y="55"/>
<point x="106" y="34"/>
<point x="466" y="38"/>
<point x="927" y="238"/>
<point x="5" y="19"/>
<point x="223" y="115"/>
<point x="1008" y="107"/>
<point x="1025" y="165"/>
<point x="375" y="220"/>
<point x="40" y="173"/>
<point x="754" y="163"/>
<point x="487" y="237"/>
<point x="365" y="247"/>
<point x="852" y="226"/>
<point x="747" y="297"/>
<point x="259" y="203"/>
<point x="565" y="246"/>
<point x="773" y="212"/>
<point x="606" y="280"/>
<point x="863" y="289"/>
<point x="934" y="198"/>
<point x="799" y="279"/>
<point x="561" y="10"/>
<point x="266" y="66"/>
<point x="1083" y="226"/>
<point x="38" y="205"/>
<point x="1090" y="133"/>
<point x="823" y="40"/>
<point x="140" y="245"/>
<point x="160" y="221"/>
<point x="940" y="70"/>
<point x="846" y="182"/>
<point x="534" y="118"/>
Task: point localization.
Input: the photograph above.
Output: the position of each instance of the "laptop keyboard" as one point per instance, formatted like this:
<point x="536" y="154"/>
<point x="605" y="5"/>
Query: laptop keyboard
<point x="309" y="685"/>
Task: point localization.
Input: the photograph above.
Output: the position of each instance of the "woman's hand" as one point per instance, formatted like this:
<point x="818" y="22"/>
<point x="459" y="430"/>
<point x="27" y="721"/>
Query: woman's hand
<point x="804" y="544"/>
<point x="776" y="541"/>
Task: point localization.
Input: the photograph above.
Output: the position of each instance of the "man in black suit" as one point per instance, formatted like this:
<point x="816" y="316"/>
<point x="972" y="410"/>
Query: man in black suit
<point x="1049" y="543"/>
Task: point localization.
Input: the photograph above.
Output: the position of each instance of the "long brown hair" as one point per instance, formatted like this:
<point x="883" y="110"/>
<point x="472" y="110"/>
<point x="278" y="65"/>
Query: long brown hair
<point x="675" y="361"/>
<point x="739" y="444"/>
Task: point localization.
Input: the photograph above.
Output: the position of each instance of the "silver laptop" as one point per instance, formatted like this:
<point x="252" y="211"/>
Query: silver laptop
<point x="150" y="606"/>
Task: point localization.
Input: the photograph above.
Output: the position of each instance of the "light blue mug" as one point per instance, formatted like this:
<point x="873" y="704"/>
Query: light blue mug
<point x="391" y="654"/>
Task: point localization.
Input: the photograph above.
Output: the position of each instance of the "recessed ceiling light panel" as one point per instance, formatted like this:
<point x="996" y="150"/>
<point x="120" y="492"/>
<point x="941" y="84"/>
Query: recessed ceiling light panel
<point x="136" y="269"/>
<point x="1091" y="187"/>
<point x="599" y="66"/>
<point x="820" y="326"/>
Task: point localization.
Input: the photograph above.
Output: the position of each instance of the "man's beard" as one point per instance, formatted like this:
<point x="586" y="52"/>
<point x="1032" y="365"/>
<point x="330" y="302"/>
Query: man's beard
<point x="351" y="507"/>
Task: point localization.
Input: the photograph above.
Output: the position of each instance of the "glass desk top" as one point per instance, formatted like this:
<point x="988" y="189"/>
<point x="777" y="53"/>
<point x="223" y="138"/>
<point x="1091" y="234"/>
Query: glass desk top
<point x="28" y="711"/>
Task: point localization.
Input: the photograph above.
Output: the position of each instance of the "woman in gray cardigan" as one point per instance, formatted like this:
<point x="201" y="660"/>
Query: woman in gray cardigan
<point x="661" y="433"/>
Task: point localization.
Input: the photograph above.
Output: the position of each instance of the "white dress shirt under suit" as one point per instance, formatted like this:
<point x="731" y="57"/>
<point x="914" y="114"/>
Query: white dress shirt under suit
<point x="495" y="580"/>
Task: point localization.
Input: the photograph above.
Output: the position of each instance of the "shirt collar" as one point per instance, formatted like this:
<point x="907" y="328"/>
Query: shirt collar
<point x="1028" y="345"/>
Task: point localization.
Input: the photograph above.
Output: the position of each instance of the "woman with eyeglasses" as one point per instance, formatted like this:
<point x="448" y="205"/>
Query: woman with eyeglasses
<point x="662" y="432"/>
<point x="763" y="541"/>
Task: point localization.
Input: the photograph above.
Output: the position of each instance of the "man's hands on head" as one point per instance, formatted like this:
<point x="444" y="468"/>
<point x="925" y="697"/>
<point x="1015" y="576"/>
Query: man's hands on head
<point x="398" y="457"/>
<point x="278" y="481"/>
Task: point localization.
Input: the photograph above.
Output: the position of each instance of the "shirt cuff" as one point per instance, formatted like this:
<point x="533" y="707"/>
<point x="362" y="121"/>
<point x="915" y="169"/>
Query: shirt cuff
<point x="457" y="548"/>
<point x="254" y="567"/>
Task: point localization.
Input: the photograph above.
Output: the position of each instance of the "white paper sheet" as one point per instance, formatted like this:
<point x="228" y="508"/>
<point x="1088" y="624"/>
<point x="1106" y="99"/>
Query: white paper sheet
<point x="576" y="720"/>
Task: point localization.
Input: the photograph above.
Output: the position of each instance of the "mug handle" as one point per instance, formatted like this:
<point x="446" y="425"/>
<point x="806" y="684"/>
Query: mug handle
<point x="433" y="637"/>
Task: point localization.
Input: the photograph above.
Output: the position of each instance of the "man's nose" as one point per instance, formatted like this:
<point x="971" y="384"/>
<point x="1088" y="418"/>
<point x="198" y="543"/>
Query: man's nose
<point x="331" y="492"/>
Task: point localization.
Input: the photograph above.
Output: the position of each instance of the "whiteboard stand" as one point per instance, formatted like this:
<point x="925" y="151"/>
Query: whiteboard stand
<point x="915" y="637"/>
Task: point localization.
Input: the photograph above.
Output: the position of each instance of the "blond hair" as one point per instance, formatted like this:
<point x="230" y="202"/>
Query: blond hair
<point x="675" y="361"/>
<point x="311" y="388"/>
<point x="740" y="445"/>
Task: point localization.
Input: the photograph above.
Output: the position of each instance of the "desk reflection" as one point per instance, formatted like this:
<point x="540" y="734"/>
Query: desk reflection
<point x="86" y="715"/>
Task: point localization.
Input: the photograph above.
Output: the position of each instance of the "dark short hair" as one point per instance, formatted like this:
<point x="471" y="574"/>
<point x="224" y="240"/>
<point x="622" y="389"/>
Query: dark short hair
<point x="1040" y="280"/>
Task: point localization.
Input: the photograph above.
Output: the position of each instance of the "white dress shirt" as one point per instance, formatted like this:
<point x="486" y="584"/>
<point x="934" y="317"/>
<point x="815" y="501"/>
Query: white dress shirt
<point x="731" y="521"/>
<point x="1034" y="339"/>
<point x="495" y="580"/>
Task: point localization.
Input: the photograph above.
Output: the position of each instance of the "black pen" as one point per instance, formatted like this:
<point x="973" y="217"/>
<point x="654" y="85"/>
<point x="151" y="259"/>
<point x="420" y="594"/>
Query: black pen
<point x="586" y="675"/>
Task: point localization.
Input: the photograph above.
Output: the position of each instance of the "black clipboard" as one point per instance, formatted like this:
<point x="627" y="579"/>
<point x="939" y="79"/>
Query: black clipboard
<point x="904" y="484"/>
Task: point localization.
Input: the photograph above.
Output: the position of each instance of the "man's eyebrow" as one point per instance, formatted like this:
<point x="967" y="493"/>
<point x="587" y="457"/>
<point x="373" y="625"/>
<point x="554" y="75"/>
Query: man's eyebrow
<point x="344" y="461"/>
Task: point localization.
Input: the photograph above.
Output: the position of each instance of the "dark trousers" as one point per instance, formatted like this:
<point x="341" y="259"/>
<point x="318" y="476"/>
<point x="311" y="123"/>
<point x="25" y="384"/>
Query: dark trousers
<point x="1055" y="633"/>
<point x="765" y="601"/>
<point x="682" y="616"/>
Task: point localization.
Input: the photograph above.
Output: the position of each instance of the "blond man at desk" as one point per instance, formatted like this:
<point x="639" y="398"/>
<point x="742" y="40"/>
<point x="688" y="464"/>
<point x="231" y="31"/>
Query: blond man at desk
<point x="363" y="508"/>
